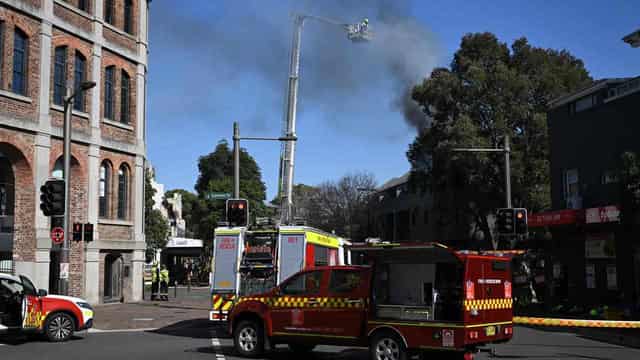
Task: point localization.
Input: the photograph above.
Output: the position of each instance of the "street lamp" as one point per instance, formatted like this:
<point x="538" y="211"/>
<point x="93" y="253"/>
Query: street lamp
<point x="356" y="33"/>
<point x="66" y="154"/>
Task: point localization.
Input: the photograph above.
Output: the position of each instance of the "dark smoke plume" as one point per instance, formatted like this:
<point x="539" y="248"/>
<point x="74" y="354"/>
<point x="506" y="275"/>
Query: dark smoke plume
<point x="237" y="40"/>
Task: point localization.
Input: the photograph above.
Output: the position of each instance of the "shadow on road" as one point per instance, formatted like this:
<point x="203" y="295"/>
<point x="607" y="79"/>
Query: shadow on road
<point x="194" y="328"/>
<point x="21" y="339"/>
<point x="283" y="353"/>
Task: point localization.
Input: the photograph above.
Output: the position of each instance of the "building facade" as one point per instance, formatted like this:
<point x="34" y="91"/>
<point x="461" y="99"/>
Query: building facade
<point x="398" y="213"/>
<point x="45" y="45"/>
<point x="590" y="257"/>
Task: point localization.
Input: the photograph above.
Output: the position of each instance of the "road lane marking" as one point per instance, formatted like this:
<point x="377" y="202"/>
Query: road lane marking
<point x="142" y="319"/>
<point x="94" y="330"/>
<point x="215" y="342"/>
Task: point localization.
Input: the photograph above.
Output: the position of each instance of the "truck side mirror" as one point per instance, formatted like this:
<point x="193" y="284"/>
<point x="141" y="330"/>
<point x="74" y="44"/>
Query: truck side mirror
<point x="42" y="293"/>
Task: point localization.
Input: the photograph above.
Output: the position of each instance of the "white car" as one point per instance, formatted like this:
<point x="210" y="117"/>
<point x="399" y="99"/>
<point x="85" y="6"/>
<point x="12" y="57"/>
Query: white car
<point x="24" y="308"/>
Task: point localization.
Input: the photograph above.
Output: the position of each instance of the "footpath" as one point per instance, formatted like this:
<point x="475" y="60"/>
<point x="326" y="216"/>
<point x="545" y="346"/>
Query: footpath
<point x="183" y="305"/>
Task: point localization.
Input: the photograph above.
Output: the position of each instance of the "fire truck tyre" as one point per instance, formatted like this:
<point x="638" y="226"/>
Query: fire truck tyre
<point x="301" y="348"/>
<point x="387" y="346"/>
<point x="248" y="339"/>
<point x="59" y="327"/>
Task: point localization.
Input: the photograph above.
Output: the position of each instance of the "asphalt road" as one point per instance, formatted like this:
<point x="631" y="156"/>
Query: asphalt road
<point x="194" y="339"/>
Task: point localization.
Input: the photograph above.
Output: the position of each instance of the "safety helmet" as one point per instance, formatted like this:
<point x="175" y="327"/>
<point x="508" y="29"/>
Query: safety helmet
<point x="366" y="20"/>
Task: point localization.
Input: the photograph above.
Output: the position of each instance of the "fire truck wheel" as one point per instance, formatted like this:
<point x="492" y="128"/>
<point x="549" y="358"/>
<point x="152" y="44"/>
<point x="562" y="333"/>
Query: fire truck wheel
<point x="59" y="327"/>
<point x="248" y="339"/>
<point x="387" y="346"/>
<point x="301" y="348"/>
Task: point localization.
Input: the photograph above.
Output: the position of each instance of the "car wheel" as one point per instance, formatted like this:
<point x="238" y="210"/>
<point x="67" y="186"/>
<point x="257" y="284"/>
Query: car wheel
<point x="248" y="339"/>
<point x="387" y="346"/>
<point x="59" y="327"/>
<point x="301" y="348"/>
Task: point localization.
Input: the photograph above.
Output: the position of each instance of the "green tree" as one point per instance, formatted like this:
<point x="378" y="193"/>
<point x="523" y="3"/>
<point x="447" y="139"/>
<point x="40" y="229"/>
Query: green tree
<point x="488" y="91"/>
<point x="216" y="176"/>
<point x="156" y="228"/>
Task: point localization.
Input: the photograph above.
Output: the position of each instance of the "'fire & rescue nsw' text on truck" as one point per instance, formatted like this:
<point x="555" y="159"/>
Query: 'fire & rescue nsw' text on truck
<point x="399" y="299"/>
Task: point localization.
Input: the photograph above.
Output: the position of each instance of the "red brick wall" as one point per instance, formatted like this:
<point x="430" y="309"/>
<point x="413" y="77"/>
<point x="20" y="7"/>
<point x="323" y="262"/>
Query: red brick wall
<point x="119" y="16"/>
<point x="75" y="3"/>
<point x="73" y="44"/>
<point x="11" y="20"/>
<point x="110" y="131"/>
<point x="116" y="160"/>
<point x="19" y="148"/>
<point x="124" y="41"/>
<point x="34" y="3"/>
<point x="73" y="18"/>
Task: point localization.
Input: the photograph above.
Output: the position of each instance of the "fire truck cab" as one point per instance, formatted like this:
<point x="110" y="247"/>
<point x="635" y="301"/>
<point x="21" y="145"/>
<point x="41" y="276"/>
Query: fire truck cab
<point x="253" y="260"/>
<point x="397" y="299"/>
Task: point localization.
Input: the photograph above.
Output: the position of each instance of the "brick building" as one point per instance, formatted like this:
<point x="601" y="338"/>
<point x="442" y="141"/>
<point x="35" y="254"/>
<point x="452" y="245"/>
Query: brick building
<point x="45" y="44"/>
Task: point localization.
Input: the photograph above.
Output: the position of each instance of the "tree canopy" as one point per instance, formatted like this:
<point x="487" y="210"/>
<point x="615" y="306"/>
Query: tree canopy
<point x="490" y="90"/>
<point x="156" y="228"/>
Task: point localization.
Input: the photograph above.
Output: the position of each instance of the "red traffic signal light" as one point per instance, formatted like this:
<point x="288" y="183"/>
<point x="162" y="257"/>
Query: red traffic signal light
<point x="521" y="221"/>
<point x="238" y="212"/>
<point x="77" y="232"/>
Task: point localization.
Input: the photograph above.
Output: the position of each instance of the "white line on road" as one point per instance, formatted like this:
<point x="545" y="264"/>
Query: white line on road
<point x="215" y="342"/>
<point x="94" y="330"/>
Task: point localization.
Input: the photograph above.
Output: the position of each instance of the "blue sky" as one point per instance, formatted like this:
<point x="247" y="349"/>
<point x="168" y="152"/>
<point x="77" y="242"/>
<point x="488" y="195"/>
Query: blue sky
<point x="215" y="62"/>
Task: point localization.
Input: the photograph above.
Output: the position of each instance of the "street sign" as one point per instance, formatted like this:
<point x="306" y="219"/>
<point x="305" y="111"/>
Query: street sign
<point x="219" y="196"/>
<point x="57" y="235"/>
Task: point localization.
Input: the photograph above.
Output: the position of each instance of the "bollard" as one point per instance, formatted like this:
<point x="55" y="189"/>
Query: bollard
<point x="175" y="289"/>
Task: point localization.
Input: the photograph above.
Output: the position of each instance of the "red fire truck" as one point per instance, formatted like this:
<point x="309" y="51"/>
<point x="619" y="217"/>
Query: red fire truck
<point x="252" y="260"/>
<point x="399" y="299"/>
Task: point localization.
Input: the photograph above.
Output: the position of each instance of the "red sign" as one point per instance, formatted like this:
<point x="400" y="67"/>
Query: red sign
<point x="57" y="235"/>
<point x="559" y="217"/>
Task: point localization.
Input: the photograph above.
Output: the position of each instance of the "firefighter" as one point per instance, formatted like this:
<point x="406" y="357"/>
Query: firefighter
<point x="155" y="281"/>
<point x="364" y="25"/>
<point x="164" y="283"/>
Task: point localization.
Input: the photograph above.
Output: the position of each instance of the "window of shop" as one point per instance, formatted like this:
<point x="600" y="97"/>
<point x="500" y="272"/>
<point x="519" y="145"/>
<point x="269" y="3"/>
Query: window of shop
<point x="59" y="71"/>
<point x="108" y="11"/>
<point x="125" y="92"/>
<point x="571" y="189"/>
<point x="79" y="78"/>
<point x="20" y="42"/>
<point x="123" y="192"/>
<point x="128" y="16"/>
<point x="105" y="176"/>
<point x="109" y="101"/>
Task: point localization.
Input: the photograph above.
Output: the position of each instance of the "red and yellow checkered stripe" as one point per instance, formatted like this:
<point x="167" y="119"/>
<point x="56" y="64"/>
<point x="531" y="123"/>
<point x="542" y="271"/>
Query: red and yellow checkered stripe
<point x="308" y="302"/>
<point x="222" y="302"/>
<point x="488" y="304"/>
<point x="538" y="321"/>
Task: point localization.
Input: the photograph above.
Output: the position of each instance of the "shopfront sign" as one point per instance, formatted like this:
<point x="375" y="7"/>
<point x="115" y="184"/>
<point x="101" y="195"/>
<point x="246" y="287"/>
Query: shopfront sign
<point x="559" y="217"/>
<point x="599" y="246"/>
<point x="603" y="214"/>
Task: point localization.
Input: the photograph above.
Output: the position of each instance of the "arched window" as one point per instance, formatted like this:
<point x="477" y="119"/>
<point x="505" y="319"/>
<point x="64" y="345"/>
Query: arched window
<point x="109" y="83"/>
<point x="80" y="71"/>
<point x="103" y="189"/>
<point x="125" y="92"/>
<point x="58" y="168"/>
<point x="108" y="11"/>
<point x="128" y="16"/>
<point x="59" y="75"/>
<point x="123" y="192"/>
<point x="20" y="51"/>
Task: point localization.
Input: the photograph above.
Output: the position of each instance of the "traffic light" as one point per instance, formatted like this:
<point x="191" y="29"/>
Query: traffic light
<point x="505" y="221"/>
<point x="77" y="232"/>
<point x="88" y="232"/>
<point x="521" y="221"/>
<point x="238" y="212"/>
<point x="52" y="198"/>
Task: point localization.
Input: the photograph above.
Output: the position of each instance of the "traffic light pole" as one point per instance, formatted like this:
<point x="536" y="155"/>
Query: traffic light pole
<point x="66" y="154"/>
<point x="507" y="163"/>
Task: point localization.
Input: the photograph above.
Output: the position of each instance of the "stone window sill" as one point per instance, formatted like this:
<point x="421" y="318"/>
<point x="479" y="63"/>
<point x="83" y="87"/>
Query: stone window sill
<point x="15" y="96"/>
<point x="119" y="32"/>
<point x="74" y="9"/>
<point x="115" y="222"/>
<point x="117" y="124"/>
<point x="75" y="112"/>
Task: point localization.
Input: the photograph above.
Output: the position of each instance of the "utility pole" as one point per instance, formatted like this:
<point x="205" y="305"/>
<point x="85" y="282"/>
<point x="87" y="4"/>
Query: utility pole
<point x="236" y="161"/>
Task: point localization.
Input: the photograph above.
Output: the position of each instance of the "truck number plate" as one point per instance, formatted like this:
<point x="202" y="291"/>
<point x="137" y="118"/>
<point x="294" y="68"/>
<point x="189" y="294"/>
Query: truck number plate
<point x="490" y="330"/>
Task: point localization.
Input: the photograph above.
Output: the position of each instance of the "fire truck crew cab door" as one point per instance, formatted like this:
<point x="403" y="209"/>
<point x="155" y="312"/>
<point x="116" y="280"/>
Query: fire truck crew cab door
<point x="31" y="306"/>
<point x="345" y="304"/>
<point x="294" y="309"/>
